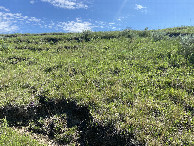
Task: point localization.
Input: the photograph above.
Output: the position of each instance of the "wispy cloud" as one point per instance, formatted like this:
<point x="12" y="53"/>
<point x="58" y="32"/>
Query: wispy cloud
<point x="102" y="25"/>
<point x="139" y="7"/>
<point x="7" y="27"/>
<point x="67" y="4"/>
<point x="12" y="22"/>
<point x="75" y="26"/>
<point x="79" y="25"/>
<point x="4" y="9"/>
<point x="32" y="1"/>
<point x="7" y="23"/>
<point x="17" y="22"/>
<point x="18" y="17"/>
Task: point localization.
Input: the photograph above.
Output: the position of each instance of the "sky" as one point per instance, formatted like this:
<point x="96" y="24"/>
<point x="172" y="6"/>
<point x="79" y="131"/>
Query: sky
<point x="46" y="16"/>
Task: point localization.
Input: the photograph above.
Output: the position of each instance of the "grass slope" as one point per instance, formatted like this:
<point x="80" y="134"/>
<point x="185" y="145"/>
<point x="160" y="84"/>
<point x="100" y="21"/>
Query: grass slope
<point x="101" y="88"/>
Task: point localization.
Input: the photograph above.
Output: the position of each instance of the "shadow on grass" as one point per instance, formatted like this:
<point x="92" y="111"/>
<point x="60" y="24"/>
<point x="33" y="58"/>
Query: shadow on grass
<point x="91" y="133"/>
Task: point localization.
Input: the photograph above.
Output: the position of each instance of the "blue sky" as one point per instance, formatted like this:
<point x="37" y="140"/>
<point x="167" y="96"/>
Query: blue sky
<point x="40" y="16"/>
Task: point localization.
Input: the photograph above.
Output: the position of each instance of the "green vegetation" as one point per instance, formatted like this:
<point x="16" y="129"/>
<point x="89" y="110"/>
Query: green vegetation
<point x="98" y="88"/>
<point x="10" y="137"/>
<point x="181" y="30"/>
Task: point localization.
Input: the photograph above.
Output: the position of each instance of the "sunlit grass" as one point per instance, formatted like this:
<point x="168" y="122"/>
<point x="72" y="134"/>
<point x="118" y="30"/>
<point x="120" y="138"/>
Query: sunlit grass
<point x="140" y="82"/>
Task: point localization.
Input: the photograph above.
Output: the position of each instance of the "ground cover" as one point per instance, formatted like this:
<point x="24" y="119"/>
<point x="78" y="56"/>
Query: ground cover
<point x="100" y="88"/>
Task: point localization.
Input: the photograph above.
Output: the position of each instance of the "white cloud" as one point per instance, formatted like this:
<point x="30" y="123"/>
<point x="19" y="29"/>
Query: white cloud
<point x="12" y="22"/>
<point x="18" y="17"/>
<point x="106" y="25"/>
<point x="7" y="27"/>
<point x="16" y="22"/>
<point x="67" y="4"/>
<point x="139" y="7"/>
<point x="32" y="1"/>
<point x="4" y="9"/>
<point x="33" y="19"/>
<point x="111" y="23"/>
<point x="75" y="26"/>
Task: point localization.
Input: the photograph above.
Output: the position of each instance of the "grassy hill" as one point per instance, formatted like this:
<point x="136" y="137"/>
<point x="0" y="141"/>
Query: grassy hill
<point x="98" y="88"/>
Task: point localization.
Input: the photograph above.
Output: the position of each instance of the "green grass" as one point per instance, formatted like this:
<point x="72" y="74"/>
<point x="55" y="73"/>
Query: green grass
<point x="142" y="82"/>
<point x="10" y="137"/>
<point x="182" y="29"/>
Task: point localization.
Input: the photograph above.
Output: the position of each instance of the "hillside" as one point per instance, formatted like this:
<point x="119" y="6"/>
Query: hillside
<point x="98" y="88"/>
